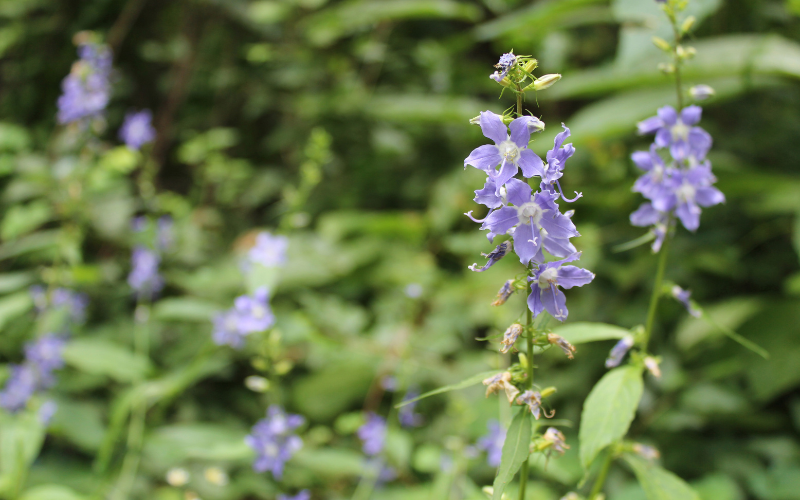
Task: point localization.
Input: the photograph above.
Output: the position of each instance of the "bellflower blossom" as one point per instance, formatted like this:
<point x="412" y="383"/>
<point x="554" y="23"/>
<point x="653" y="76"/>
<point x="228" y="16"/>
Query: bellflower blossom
<point x="619" y="351"/>
<point x="510" y="150"/>
<point x="253" y="313"/>
<point x="545" y="294"/>
<point x="301" y="495"/>
<point x="144" y="277"/>
<point x="42" y="357"/>
<point x="373" y="434"/>
<point x="73" y="303"/>
<point x="87" y="89"/>
<point x="226" y="329"/>
<point x="492" y="443"/>
<point x="137" y="129"/>
<point x="506" y="62"/>
<point x="273" y="440"/>
<point x="677" y="131"/>
<point x="269" y="250"/>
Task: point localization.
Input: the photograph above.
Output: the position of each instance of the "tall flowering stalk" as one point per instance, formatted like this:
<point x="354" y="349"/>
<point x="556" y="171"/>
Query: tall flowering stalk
<point x="522" y="192"/>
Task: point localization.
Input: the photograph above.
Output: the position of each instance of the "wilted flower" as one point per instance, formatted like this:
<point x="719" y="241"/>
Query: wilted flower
<point x="651" y="364"/>
<point x="253" y="313"/>
<point x="506" y="62"/>
<point x="493" y="257"/>
<point x="683" y="296"/>
<point x="501" y="382"/>
<point x="273" y="440"/>
<point x="545" y="283"/>
<point x="144" y="277"/>
<point x="492" y="443"/>
<point x="505" y="292"/>
<point x="561" y="342"/>
<point x="646" y="452"/>
<point x="557" y="440"/>
<point x="701" y="92"/>
<point x="619" y="351"/>
<point x="533" y="400"/>
<point x="510" y="337"/>
<point x="137" y="129"/>
<point x="373" y="434"/>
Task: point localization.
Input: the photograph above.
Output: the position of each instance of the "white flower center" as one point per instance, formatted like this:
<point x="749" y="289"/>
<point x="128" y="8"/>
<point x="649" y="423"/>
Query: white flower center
<point x="686" y="192"/>
<point x="529" y="211"/>
<point x="259" y="312"/>
<point x="680" y="131"/>
<point x="548" y="276"/>
<point x="508" y="150"/>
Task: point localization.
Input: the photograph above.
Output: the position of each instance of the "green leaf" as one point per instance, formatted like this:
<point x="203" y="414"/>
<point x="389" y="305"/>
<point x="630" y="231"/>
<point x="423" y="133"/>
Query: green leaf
<point x="541" y="17"/>
<point x="516" y="449"/>
<point x="50" y="492"/>
<point x="609" y="410"/>
<point x="21" y="219"/>
<point x="185" y="309"/>
<point x="101" y="357"/>
<point x="121" y="159"/>
<point x="10" y="282"/>
<point x="659" y="483"/>
<point x="13" y="306"/>
<point x="21" y="438"/>
<point x="728" y="315"/>
<point x="331" y="462"/>
<point x="580" y="333"/>
<point x="13" y="138"/>
<point x="196" y="441"/>
<point x="327" y="392"/>
<point x="473" y="380"/>
<point x="30" y="243"/>
<point x="348" y="17"/>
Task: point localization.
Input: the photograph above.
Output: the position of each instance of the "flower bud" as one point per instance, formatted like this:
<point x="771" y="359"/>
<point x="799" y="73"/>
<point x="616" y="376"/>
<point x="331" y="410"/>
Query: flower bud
<point x="216" y="476"/>
<point x="489" y="492"/>
<point x="701" y="92"/>
<point x="652" y="366"/>
<point x="662" y="44"/>
<point x="256" y="383"/>
<point x="646" y="452"/>
<point x="504" y="293"/>
<point x="531" y="65"/>
<point x="555" y="438"/>
<point x="535" y="125"/>
<point x="177" y="477"/>
<point x="545" y="81"/>
<point x="619" y="351"/>
<point x="687" y="24"/>
<point x="685" y="52"/>
<point x="548" y="391"/>
<point x="666" y="68"/>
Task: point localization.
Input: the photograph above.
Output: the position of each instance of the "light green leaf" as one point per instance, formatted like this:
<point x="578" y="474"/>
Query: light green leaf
<point x="121" y="159"/>
<point x="516" y="449"/>
<point x="21" y="219"/>
<point x="21" y="438"/>
<point x="659" y="483"/>
<point x="30" y="243"/>
<point x="13" y="306"/>
<point x="540" y="17"/>
<point x="796" y="234"/>
<point x="348" y="17"/>
<point x="331" y="462"/>
<point x="196" y="441"/>
<point x="728" y="315"/>
<point x="13" y="138"/>
<point x="10" y="282"/>
<point x="101" y="357"/>
<point x="609" y="410"/>
<point x="50" y="492"/>
<point x="580" y="333"/>
<point x="327" y="392"/>
<point x="185" y="309"/>
<point x="473" y="380"/>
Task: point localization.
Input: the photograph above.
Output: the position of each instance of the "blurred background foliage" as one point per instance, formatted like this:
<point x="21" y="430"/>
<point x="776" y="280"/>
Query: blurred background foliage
<point x="255" y="99"/>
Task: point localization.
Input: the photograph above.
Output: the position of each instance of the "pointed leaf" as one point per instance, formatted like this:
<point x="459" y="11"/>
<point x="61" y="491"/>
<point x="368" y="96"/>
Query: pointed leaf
<point x="579" y="333"/>
<point x="659" y="483"/>
<point x="609" y="410"/>
<point x="473" y="380"/>
<point x="516" y="449"/>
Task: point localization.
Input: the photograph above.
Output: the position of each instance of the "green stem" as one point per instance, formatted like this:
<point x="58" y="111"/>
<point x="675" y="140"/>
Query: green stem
<point x="601" y="477"/>
<point x="130" y="464"/>
<point x="678" y="85"/>
<point x="657" y="285"/>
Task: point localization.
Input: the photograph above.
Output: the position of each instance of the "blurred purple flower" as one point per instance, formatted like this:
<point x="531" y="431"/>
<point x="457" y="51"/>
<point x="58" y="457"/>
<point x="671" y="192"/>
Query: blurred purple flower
<point x="86" y="90"/>
<point x="301" y="495"/>
<point x="19" y="388"/>
<point x="226" y="329"/>
<point x="137" y="129"/>
<point x="492" y="443"/>
<point x="144" y="277"/>
<point x="373" y="434"/>
<point x="619" y="351"/>
<point x="253" y="313"/>
<point x="269" y="250"/>
<point x="406" y="414"/>
<point x="677" y="132"/>
<point x="683" y="297"/>
<point x="273" y="440"/>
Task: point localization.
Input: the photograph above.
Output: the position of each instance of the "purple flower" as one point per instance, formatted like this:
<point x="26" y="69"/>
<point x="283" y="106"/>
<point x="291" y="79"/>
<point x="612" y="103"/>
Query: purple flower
<point x="373" y="434"/>
<point x="647" y="215"/>
<point x="504" y="293"/>
<point x="492" y="443"/>
<point x="164" y="236"/>
<point x="61" y="298"/>
<point x="226" y="329"/>
<point x="677" y="132"/>
<point x="510" y="151"/>
<point x="301" y="495"/>
<point x="44" y="356"/>
<point x="701" y="92"/>
<point x="144" y="277"/>
<point x="506" y="62"/>
<point x="533" y="400"/>
<point x="269" y="250"/>
<point x="683" y="297"/>
<point x="659" y="183"/>
<point x="536" y="221"/>
<point x="253" y="313"/>
<point x="695" y="190"/>
<point x="87" y="89"/>
<point x="46" y="412"/>
<point x="493" y="256"/>
<point x="273" y="440"/>
<point x="406" y="414"/>
<point x="19" y="388"/>
<point x="619" y="351"/>
<point x="137" y="129"/>
<point x="557" y="158"/>
<point x="545" y="282"/>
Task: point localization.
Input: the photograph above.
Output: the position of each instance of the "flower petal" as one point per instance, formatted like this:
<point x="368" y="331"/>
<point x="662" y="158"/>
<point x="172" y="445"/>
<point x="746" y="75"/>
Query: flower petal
<point x="649" y="125"/>
<point x="501" y="220"/>
<point x="570" y="276"/>
<point x="558" y="226"/>
<point x="507" y="170"/>
<point x="535" y="300"/>
<point x="527" y="242"/>
<point x="530" y="163"/>
<point x="645" y="215"/>
<point x="484" y="157"/>
<point x="689" y="214"/>
<point x="518" y="192"/>
<point x="520" y="133"/>
<point x="555" y="302"/>
<point x="559" y="247"/>
<point x="488" y="195"/>
<point x="493" y="127"/>
<point x="668" y="115"/>
<point x="691" y="114"/>
<point x="709" y="196"/>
